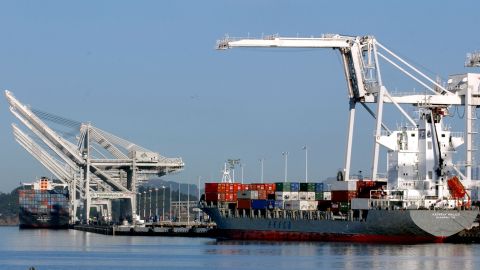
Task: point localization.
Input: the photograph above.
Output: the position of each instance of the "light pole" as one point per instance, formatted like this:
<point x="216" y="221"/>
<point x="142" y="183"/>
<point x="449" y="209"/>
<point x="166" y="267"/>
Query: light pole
<point x="178" y="204"/>
<point x="306" y="163"/>
<point x="163" y="203"/>
<point x="241" y="167"/>
<point x="199" y="187"/>
<point x="285" y="155"/>
<point x="156" y="203"/>
<point x="188" y="204"/>
<point x="139" y="198"/>
<point x="150" y="204"/>
<point x="261" y="168"/>
<point x="144" y="205"/>
<point x="170" y="202"/>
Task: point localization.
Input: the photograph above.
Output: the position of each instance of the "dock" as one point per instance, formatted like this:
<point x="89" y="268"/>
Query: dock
<point x="177" y="229"/>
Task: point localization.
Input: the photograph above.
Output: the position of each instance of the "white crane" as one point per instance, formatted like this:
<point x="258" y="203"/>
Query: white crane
<point x="360" y="56"/>
<point x="99" y="167"/>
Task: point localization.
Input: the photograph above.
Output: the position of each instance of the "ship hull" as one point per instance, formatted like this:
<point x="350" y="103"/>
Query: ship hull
<point x="391" y="226"/>
<point x="30" y="220"/>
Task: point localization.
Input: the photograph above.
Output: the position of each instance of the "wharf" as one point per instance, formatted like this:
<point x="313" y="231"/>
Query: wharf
<point x="180" y="229"/>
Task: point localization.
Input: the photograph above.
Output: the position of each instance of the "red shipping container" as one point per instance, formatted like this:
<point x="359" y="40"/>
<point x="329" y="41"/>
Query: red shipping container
<point x="244" y="204"/>
<point x="237" y="187"/>
<point x="221" y="187"/>
<point x="262" y="194"/>
<point x="212" y="196"/>
<point x="343" y="195"/>
<point x="211" y="187"/>
<point x="270" y="187"/>
<point x="229" y="197"/>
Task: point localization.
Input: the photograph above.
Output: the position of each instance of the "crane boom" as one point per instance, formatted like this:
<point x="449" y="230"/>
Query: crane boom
<point x="41" y="127"/>
<point x="357" y="55"/>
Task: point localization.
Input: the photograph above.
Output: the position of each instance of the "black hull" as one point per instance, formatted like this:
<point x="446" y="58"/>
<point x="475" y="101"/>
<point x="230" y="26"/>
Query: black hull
<point x="46" y="221"/>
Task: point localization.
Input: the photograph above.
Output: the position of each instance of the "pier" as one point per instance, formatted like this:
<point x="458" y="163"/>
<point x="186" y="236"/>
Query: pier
<point x="178" y="229"/>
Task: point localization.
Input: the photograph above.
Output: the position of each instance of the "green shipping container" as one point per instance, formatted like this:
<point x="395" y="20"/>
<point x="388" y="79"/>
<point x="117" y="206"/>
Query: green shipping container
<point x="307" y="187"/>
<point x="280" y="186"/>
<point x="318" y="196"/>
<point x="344" y="206"/>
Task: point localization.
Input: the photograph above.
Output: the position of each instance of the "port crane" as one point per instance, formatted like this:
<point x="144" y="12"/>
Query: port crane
<point x="98" y="166"/>
<point x="360" y="56"/>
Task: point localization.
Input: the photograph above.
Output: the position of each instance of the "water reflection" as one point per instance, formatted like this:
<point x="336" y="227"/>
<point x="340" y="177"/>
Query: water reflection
<point x="320" y="255"/>
<point x="68" y="249"/>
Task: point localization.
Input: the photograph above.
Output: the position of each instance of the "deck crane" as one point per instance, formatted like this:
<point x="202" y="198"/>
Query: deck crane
<point x="360" y="56"/>
<point x="99" y="166"/>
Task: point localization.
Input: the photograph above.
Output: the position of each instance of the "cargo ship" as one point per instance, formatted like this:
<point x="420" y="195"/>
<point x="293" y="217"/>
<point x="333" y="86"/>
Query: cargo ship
<point x="421" y="200"/>
<point x="43" y="204"/>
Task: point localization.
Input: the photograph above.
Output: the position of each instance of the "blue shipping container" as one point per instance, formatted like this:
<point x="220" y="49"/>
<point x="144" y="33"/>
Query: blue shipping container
<point x="319" y="187"/>
<point x="259" y="204"/>
<point x="295" y="187"/>
<point x="271" y="204"/>
<point x="279" y="204"/>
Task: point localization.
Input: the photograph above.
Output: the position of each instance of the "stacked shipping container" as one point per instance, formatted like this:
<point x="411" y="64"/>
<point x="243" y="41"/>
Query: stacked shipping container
<point x="290" y="195"/>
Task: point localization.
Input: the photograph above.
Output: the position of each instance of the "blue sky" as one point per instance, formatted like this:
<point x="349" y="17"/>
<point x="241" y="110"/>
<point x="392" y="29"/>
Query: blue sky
<point x="147" y="71"/>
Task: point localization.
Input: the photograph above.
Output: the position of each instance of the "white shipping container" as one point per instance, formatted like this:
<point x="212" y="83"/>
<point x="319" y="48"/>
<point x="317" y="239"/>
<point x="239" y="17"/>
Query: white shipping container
<point x="312" y="205"/>
<point x="297" y="205"/>
<point x="302" y="195"/>
<point x="282" y="195"/>
<point x="327" y="196"/>
<point x="247" y="194"/>
<point x="293" y="195"/>
<point x="344" y="185"/>
<point x="311" y="196"/>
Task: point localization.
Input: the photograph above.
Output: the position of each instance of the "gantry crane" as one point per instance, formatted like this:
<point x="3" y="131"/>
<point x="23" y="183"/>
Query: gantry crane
<point x="99" y="166"/>
<point x="360" y="56"/>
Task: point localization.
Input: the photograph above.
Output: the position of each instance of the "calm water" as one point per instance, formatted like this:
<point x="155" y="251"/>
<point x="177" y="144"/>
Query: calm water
<point x="69" y="249"/>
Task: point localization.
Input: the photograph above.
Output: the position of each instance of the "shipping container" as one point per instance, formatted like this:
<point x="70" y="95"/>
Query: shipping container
<point x="308" y="187"/>
<point x="327" y="195"/>
<point x="319" y="187"/>
<point x="271" y="204"/>
<point x="247" y="194"/>
<point x="344" y="206"/>
<point x="279" y="186"/>
<point x="312" y="205"/>
<point x="293" y="195"/>
<point x="211" y="187"/>
<point x="296" y="205"/>
<point x="282" y="195"/>
<point x="295" y="187"/>
<point x="262" y="194"/>
<point x="279" y="204"/>
<point x="244" y="204"/>
<point x="302" y="195"/>
<point x="343" y="195"/>
<point x="259" y="204"/>
<point x="343" y="185"/>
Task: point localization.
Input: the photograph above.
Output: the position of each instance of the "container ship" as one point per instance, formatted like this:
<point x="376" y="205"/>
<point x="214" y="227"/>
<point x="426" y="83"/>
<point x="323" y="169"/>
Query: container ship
<point x="43" y="204"/>
<point x="420" y="200"/>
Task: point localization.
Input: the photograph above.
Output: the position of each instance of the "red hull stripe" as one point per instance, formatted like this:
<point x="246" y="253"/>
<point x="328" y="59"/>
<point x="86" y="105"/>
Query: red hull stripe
<point x="312" y="236"/>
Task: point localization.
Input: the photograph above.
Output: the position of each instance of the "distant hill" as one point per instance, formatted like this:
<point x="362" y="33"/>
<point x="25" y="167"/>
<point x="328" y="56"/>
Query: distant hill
<point x="9" y="208"/>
